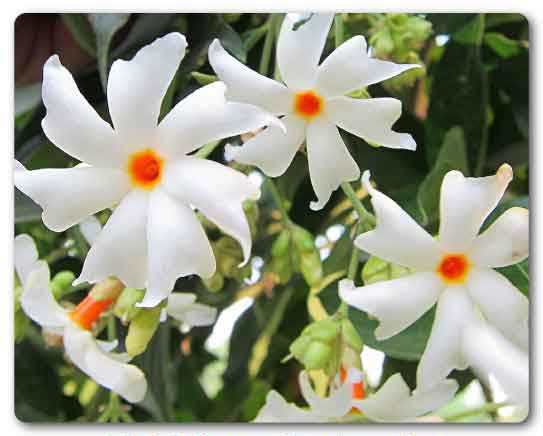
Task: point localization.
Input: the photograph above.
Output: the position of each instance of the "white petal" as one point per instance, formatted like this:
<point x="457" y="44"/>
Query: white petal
<point x="505" y="242"/>
<point x="501" y="303"/>
<point x="126" y="380"/>
<point x="205" y="116"/>
<point x="217" y="191"/>
<point x="37" y="300"/>
<point x="183" y="308"/>
<point x="465" y="204"/>
<point x="277" y="410"/>
<point x="25" y="256"/>
<point x="443" y="352"/>
<point x="68" y="195"/>
<point x="344" y="69"/>
<point x="271" y="150"/>
<point x="330" y="163"/>
<point x="397" y="237"/>
<point x="299" y="51"/>
<point x="395" y="303"/>
<point x="393" y="402"/>
<point x="121" y="247"/>
<point x="335" y="406"/>
<point x="107" y="346"/>
<point x="136" y="88"/>
<point x="379" y="70"/>
<point x="370" y="119"/>
<point x="489" y="353"/>
<point x="178" y="246"/>
<point x="71" y="122"/>
<point x="247" y="86"/>
<point x="90" y="228"/>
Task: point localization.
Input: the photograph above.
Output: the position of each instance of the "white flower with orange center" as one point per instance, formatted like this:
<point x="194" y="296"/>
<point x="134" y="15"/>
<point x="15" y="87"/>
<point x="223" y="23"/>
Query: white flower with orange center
<point x="455" y="270"/>
<point x="95" y="358"/>
<point x="144" y="167"/>
<point x="314" y="103"/>
<point x="393" y="402"/>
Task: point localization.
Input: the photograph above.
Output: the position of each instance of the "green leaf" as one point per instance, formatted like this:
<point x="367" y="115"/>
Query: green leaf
<point x="25" y="209"/>
<point x="472" y="32"/>
<point x="27" y="98"/>
<point x="452" y="156"/>
<point x="81" y="30"/>
<point x="519" y="275"/>
<point x="105" y="26"/>
<point x="502" y="45"/>
<point x="232" y="42"/>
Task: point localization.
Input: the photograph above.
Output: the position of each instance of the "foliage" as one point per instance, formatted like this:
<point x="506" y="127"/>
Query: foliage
<point x="467" y="109"/>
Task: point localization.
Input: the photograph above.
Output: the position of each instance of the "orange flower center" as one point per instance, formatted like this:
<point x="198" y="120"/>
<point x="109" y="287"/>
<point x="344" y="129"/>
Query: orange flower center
<point x="453" y="268"/>
<point x="145" y="168"/>
<point x="89" y="310"/>
<point x="308" y="104"/>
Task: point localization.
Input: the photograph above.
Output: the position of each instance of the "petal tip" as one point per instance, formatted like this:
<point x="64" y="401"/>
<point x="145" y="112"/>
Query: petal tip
<point x="231" y="152"/>
<point x="366" y="183"/>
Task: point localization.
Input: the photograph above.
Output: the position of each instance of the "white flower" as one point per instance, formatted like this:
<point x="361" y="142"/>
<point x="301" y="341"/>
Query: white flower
<point x="153" y="236"/>
<point x="454" y="270"/>
<point x="95" y="358"/>
<point x="313" y="103"/>
<point x="491" y="354"/>
<point x="393" y="402"/>
<point x="183" y="308"/>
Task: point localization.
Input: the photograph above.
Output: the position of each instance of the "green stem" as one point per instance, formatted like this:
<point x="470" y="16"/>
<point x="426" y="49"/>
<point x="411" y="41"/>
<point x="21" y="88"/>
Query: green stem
<point x="278" y="201"/>
<point x="363" y="214"/>
<point x="267" y="49"/>
<point x="338" y="29"/>
<point x="486" y="408"/>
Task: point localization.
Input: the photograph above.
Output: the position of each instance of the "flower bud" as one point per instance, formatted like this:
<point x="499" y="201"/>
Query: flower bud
<point x="281" y="245"/>
<point x="141" y="330"/>
<point x="228" y="255"/>
<point x="215" y="283"/>
<point x="350" y="336"/>
<point x="325" y="330"/>
<point x="125" y="308"/>
<point x="316" y="345"/>
<point x="61" y="283"/>
<point x="317" y="355"/>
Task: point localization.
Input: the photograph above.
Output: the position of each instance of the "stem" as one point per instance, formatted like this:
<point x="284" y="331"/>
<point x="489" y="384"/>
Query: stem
<point x="363" y="214"/>
<point x="338" y="29"/>
<point x="266" y="50"/>
<point x="278" y="201"/>
<point x="486" y="408"/>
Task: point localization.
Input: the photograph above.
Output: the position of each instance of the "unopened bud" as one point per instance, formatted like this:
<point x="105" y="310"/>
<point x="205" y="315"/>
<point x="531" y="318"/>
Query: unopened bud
<point x="125" y="308"/>
<point x="141" y="330"/>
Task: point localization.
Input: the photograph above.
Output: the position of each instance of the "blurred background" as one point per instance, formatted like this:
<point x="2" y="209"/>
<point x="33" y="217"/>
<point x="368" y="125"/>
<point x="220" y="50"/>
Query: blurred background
<point x="468" y="109"/>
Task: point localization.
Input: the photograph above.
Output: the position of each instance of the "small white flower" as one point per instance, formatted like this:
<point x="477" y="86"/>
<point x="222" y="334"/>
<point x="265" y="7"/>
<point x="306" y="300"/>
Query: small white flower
<point x="393" y="402"/>
<point x="153" y="236"/>
<point x="95" y="358"/>
<point x="454" y="270"/>
<point x="313" y="103"/>
<point x="183" y="308"/>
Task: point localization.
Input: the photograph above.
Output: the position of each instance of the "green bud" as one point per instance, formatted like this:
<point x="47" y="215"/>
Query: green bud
<point x="325" y="330"/>
<point x="228" y="255"/>
<point x="311" y="268"/>
<point x="303" y="240"/>
<point x="316" y="355"/>
<point x="281" y="266"/>
<point x="281" y="245"/>
<point x="141" y="330"/>
<point x="350" y="336"/>
<point x="215" y="283"/>
<point x="253" y="214"/>
<point x="125" y="307"/>
<point x="203" y="79"/>
<point x="61" y="283"/>
<point x="299" y="347"/>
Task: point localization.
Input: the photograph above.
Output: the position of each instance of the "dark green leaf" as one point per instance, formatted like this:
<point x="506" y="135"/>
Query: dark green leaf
<point x="502" y="45"/>
<point x="81" y="30"/>
<point x="105" y="26"/>
<point x="452" y="156"/>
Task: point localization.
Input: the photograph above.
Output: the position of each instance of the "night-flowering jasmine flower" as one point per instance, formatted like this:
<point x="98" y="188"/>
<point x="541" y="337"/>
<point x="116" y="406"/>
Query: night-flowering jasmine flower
<point x="454" y="270"/>
<point x="393" y="402"/>
<point x="143" y="167"/>
<point x="314" y="103"/>
<point x="95" y="358"/>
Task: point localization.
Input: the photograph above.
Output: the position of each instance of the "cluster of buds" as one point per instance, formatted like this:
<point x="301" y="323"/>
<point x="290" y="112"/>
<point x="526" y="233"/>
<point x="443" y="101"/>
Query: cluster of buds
<point x="294" y="251"/>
